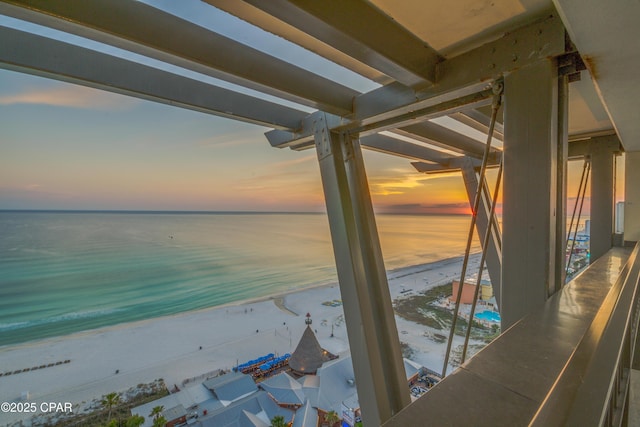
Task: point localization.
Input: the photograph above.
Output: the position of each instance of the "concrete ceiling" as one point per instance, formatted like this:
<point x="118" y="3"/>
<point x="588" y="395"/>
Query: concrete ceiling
<point x="607" y="34"/>
<point x="456" y="26"/>
<point x="453" y="28"/>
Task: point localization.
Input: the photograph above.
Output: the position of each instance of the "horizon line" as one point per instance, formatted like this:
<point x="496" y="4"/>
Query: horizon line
<point x="209" y="212"/>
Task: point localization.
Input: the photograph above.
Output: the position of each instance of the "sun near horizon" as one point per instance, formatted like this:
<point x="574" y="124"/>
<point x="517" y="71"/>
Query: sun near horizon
<point x="74" y="148"/>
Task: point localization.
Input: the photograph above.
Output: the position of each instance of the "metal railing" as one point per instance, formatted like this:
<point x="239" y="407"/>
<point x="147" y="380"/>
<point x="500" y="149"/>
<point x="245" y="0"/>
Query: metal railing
<point x="593" y="387"/>
<point x="568" y="363"/>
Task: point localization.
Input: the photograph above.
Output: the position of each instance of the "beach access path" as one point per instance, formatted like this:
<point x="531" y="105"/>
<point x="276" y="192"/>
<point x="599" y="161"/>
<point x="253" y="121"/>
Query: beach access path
<point x="188" y="345"/>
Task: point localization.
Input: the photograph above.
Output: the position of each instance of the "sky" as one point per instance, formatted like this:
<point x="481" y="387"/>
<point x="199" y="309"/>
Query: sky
<point x="64" y="146"/>
<point x="70" y="147"/>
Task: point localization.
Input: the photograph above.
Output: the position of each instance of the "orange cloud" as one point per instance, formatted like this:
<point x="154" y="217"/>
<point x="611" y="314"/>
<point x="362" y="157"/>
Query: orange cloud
<point x="397" y="182"/>
<point x="70" y="96"/>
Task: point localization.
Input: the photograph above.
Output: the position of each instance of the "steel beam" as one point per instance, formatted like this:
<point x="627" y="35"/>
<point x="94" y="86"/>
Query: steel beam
<point x="33" y="54"/>
<point x="529" y="198"/>
<point x="455" y="164"/>
<point x="540" y="40"/>
<point x="347" y="26"/>
<point x="373" y="337"/>
<point x="421" y="111"/>
<point x="411" y="122"/>
<point x="143" y="29"/>
<point x="146" y="30"/>
<point x="255" y="16"/>
<point x="561" y="185"/>
<point x="472" y="71"/>
<point x="479" y="121"/>
<point x="459" y="78"/>
<point x="396" y="147"/>
<point x="303" y="137"/>
<point x="433" y="168"/>
<point x="602" y="202"/>
<point x="493" y="257"/>
<point x="433" y="133"/>
<point x="584" y="147"/>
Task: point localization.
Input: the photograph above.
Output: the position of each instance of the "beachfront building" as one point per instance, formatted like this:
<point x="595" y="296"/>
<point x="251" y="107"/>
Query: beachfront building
<point x="232" y="399"/>
<point x="308" y="356"/>
<point x="284" y="390"/>
<point x="306" y="416"/>
<point x="193" y="400"/>
<point x="514" y="71"/>
<point x="175" y="416"/>
<point x="468" y="292"/>
<point x="486" y="311"/>
<point x="231" y="387"/>
<point x="333" y="388"/>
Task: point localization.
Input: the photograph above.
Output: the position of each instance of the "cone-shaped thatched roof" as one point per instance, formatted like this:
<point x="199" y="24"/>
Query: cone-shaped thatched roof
<point x="308" y="356"/>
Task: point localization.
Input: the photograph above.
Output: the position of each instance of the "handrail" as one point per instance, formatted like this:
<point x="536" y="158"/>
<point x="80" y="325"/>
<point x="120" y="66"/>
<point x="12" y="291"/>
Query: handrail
<point x="566" y="363"/>
<point x="593" y="386"/>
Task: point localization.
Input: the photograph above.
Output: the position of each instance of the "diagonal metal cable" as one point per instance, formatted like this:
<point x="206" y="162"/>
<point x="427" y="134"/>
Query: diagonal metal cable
<point x="498" y="88"/>
<point x="584" y="191"/>
<point x="575" y="205"/>
<point x="485" y="244"/>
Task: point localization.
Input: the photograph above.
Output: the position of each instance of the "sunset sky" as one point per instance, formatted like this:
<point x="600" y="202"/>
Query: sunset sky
<point x="69" y="147"/>
<point x="64" y="146"/>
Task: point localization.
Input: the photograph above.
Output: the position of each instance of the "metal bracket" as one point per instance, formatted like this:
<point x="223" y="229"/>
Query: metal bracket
<point x="322" y="135"/>
<point x="571" y="64"/>
<point x="347" y="141"/>
<point x="498" y="90"/>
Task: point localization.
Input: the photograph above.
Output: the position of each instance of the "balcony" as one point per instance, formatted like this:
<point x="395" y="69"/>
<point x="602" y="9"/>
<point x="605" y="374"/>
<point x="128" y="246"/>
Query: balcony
<point x="566" y="364"/>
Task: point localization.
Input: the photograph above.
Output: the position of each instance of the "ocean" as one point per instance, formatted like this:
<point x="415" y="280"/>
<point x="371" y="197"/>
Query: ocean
<point x="64" y="272"/>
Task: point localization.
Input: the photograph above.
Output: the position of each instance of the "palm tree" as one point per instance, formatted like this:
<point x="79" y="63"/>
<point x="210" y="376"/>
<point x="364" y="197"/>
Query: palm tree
<point x="156" y="412"/>
<point x="109" y="401"/>
<point x="331" y="418"/>
<point x="159" y="422"/>
<point x="135" y="421"/>
<point x="277" y="421"/>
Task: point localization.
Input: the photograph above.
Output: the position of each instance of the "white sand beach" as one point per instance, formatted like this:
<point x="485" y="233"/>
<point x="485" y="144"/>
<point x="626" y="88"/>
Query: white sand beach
<point x="189" y="345"/>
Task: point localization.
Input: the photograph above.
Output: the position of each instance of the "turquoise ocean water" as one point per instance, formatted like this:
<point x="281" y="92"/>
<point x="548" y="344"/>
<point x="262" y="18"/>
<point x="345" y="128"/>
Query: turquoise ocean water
<point x="63" y="272"/>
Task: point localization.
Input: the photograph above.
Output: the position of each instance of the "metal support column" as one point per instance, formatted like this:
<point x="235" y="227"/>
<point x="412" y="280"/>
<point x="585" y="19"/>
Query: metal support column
<point x="632" y="196"/>
<point x="561" y="196"/>
<point x="530" y="186"/>
<point x="601" y="238"/>
<point x="493" y="256"/>
<point x="373" y="337"/>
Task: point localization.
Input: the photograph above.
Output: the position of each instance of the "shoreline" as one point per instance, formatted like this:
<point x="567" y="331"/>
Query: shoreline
<point x="186" y="345"/>
<point x="396" y="273"/>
